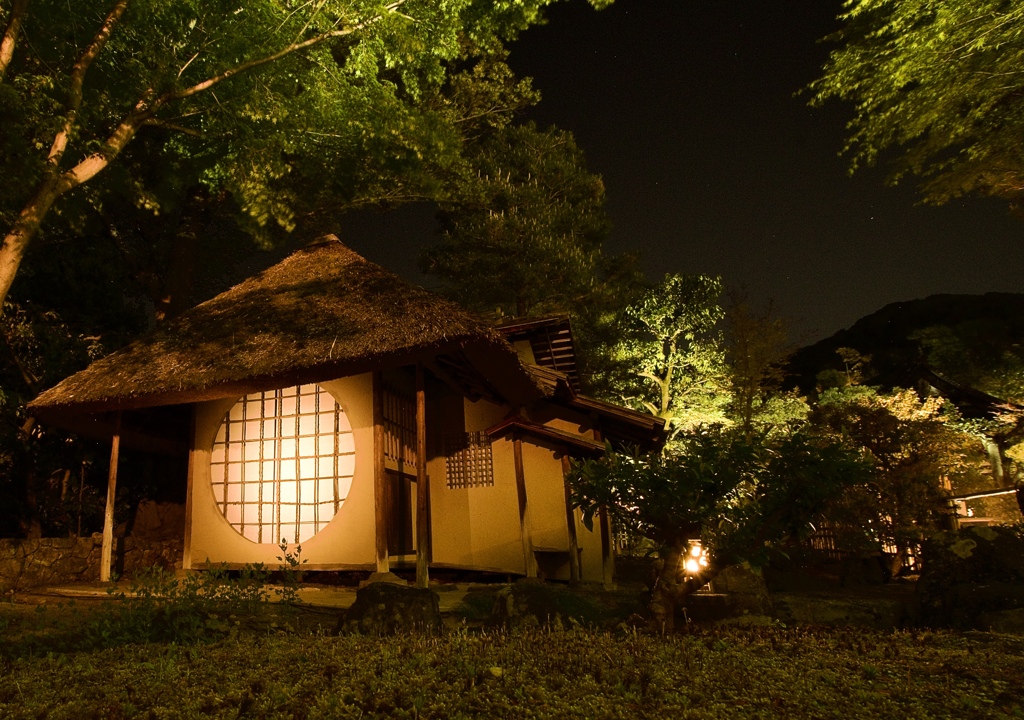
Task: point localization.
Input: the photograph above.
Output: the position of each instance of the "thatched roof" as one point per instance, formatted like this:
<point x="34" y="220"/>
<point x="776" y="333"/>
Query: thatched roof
<point x="321" y="313"/>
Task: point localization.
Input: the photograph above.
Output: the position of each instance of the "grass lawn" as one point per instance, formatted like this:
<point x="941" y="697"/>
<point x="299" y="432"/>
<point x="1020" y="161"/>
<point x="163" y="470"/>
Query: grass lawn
<point x="286" y="668"/>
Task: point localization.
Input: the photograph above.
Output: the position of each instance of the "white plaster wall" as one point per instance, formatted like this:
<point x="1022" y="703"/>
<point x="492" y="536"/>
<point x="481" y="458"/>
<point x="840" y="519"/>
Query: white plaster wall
<point x="347" y="541"/>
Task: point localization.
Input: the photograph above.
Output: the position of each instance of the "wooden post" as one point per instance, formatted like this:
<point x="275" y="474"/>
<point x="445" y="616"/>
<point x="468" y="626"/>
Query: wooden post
<point x="607" y="558"/>
<point x="570" y="520"/>
<point x="422" y="528"/>
<point x="106" y="549"/>
<point x="379" y="477"/>
<point x="186" y="549"/>
<point x="529" y="561"/>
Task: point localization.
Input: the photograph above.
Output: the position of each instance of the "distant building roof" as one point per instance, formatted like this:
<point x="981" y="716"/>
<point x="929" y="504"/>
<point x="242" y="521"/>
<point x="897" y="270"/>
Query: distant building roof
<point x="551" y="342"/>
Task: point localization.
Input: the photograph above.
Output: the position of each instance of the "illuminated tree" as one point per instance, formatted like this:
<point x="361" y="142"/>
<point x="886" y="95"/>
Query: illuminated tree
<point x="670" y="359"/>
<point x="936" y="85"/>
<point x="738" y="498"/>
<point x="911" y="445"/>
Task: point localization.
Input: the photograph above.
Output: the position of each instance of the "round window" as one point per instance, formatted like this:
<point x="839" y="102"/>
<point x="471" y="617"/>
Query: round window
<point x="282" y="464"/>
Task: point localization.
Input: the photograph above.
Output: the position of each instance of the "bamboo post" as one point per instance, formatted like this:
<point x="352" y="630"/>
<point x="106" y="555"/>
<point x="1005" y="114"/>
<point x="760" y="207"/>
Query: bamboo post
<point x="106" y="549"/>
<point x="379" y="477"/>
<point x="570" y="520"/>
<point x="529" y="561"/>
<point x="422" y="529"/>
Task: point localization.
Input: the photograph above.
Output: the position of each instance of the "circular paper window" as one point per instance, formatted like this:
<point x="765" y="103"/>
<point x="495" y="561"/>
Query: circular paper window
<point x="282" y="464"/>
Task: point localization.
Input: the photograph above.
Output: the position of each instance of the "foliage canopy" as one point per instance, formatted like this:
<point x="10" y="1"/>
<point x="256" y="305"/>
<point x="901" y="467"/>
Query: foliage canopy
<point x="670" y="358"/>
<point x="938" y="84"/>
<point x="244" y="98"/>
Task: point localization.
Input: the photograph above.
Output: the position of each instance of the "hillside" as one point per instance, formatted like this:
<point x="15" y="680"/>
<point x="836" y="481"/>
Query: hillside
<point x="976" y="340"/>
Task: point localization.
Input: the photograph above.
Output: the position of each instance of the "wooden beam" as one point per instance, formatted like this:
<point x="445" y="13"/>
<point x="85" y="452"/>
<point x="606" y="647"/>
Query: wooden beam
<point x="570" y="520"/>
<point x="529" y="560"/>
<point x="383" y="562"/>
<point x="106" y="549"/>
<point x="422" y="529"/>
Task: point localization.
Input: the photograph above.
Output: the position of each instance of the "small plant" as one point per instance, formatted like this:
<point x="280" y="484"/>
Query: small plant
<point x="159" y="607"/>
<point x="291" y="573"/>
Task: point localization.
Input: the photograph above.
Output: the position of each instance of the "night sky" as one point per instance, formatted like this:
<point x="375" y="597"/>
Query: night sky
<point x="711" y="165"/>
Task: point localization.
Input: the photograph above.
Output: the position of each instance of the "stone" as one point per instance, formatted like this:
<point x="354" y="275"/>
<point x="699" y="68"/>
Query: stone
<point x="159" y="521"/>
<point x="745" y="591"/>
<point x="378" y="577"/>
<point x="1003" y="621"/>
<point x="531" y="603"/>
<point x="385" y="608"/>
<point x="832" y="610"/>
<point x="971" y="575"/>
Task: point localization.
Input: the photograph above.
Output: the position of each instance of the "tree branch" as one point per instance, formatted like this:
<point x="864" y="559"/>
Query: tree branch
<point x="63" y="136"/>
<point x="199" y="87"/>
<point x="10" y="36"/>
<point x="156" y="122"/>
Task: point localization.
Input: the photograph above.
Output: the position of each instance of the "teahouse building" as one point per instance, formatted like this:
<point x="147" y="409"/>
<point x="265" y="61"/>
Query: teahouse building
<point x="327" y="402"/>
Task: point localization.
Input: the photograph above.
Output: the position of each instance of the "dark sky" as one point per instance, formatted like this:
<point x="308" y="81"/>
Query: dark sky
<point x="711" y="165"/>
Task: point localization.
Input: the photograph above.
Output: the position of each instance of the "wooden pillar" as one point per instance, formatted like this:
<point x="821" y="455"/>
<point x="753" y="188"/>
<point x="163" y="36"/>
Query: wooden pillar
<point x="106" y="549"/>
<point x="379" y="477"/>
<point x="570" y="520"/>
<point x="186" y="553"/>
<point x="529" y="561"/>
<point x="422" y="490"/>
<point x="607" y="557"/>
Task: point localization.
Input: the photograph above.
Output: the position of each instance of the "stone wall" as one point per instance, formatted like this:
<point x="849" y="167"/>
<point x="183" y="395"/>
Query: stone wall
<point x="26" y="564"/>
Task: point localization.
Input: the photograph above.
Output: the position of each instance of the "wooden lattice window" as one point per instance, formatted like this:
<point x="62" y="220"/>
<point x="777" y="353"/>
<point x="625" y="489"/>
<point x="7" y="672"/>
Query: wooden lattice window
<point x="399" y="427"/>
<point x="468" y="460"/>
<point x="282" y="464"/>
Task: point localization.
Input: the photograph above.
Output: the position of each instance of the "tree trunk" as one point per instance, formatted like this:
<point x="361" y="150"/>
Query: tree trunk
<point x="25" y="228"/>
<point x="175" y="291"/>
<point x="669" y="588"/>
<point x="672" y="586"/>
<point x="10" y="37"/>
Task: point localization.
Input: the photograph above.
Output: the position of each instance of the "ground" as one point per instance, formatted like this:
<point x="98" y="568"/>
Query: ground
<point x="277" y="661"/>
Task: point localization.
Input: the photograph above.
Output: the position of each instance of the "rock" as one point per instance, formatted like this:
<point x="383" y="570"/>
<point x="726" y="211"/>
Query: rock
<point x="836" y="611"/>
<point x="385" y="608"/>
<point x="745" y="590"/>
<point x="388" y="577"/>
<point x="1003" y="621"/>
<point x="529" y="603"/>
<point x="159" y="521"/>
<point x="864" y="571"/>
<point x="969" y="575"/>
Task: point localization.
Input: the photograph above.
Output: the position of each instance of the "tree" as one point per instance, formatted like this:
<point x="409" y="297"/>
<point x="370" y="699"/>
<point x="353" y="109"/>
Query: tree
<point x="937" y="85"/>
<point x="757" y="346"/>
<point x="738" y="498"/>
<point x="244" y="92"/>
<point x="524" y="233"/>
<point x="670" y="359"/>
<point x="911" y="446"/>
